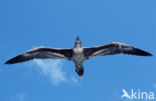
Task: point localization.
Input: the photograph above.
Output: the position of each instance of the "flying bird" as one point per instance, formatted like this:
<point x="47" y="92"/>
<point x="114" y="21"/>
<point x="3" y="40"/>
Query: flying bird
<point x="78" y="54"/>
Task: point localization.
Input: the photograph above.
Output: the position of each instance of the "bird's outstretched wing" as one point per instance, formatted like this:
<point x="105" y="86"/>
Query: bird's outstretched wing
<point x="113" y="48"/>
<point x="42" y="53"/>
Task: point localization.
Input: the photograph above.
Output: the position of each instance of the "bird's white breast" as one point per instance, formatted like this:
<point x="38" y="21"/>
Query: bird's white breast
<point x="77" y="50"/>
<point x="78" y="55"/>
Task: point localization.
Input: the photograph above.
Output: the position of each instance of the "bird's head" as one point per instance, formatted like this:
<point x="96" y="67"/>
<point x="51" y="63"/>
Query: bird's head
<point x="78" y="42"/>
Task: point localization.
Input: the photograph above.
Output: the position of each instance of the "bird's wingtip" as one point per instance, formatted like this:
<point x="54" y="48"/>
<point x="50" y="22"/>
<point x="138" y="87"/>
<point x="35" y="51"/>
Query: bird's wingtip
<point x="149" y="54"/>
<point x="142" y="52"/>
<point x="7" y="63"/>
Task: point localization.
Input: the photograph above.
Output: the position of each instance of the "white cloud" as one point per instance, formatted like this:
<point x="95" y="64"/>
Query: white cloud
<point x="52" y="69"/>
<point x="21" y="96"/>
<point x="18" y="96"/>
<point x="74" y="80"/>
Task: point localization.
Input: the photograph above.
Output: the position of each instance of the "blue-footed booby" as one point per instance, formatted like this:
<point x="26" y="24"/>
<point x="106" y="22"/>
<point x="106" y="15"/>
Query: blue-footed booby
<point x="78" y="54"/>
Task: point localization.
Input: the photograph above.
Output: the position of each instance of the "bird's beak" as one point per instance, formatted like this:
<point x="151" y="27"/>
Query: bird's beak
<point x="78" y="39"/>
<point x="77" y="42"/>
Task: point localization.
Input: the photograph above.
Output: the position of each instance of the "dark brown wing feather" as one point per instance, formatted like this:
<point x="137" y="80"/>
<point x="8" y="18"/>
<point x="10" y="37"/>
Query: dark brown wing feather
<point x="42" y="53"/>
<point x="113" y="48"/>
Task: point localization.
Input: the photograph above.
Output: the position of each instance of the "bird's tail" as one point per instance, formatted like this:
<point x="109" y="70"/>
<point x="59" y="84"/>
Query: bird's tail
<point x="80" y="70"/>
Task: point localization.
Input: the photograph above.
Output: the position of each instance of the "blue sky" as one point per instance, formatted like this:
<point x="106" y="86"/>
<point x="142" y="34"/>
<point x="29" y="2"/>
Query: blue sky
<point x="26" y="24"/>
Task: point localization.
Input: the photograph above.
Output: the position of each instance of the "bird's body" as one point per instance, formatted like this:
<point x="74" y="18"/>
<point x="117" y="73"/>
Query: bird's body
<point x="78" y="54"/>
<point x="78" y="58"/>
